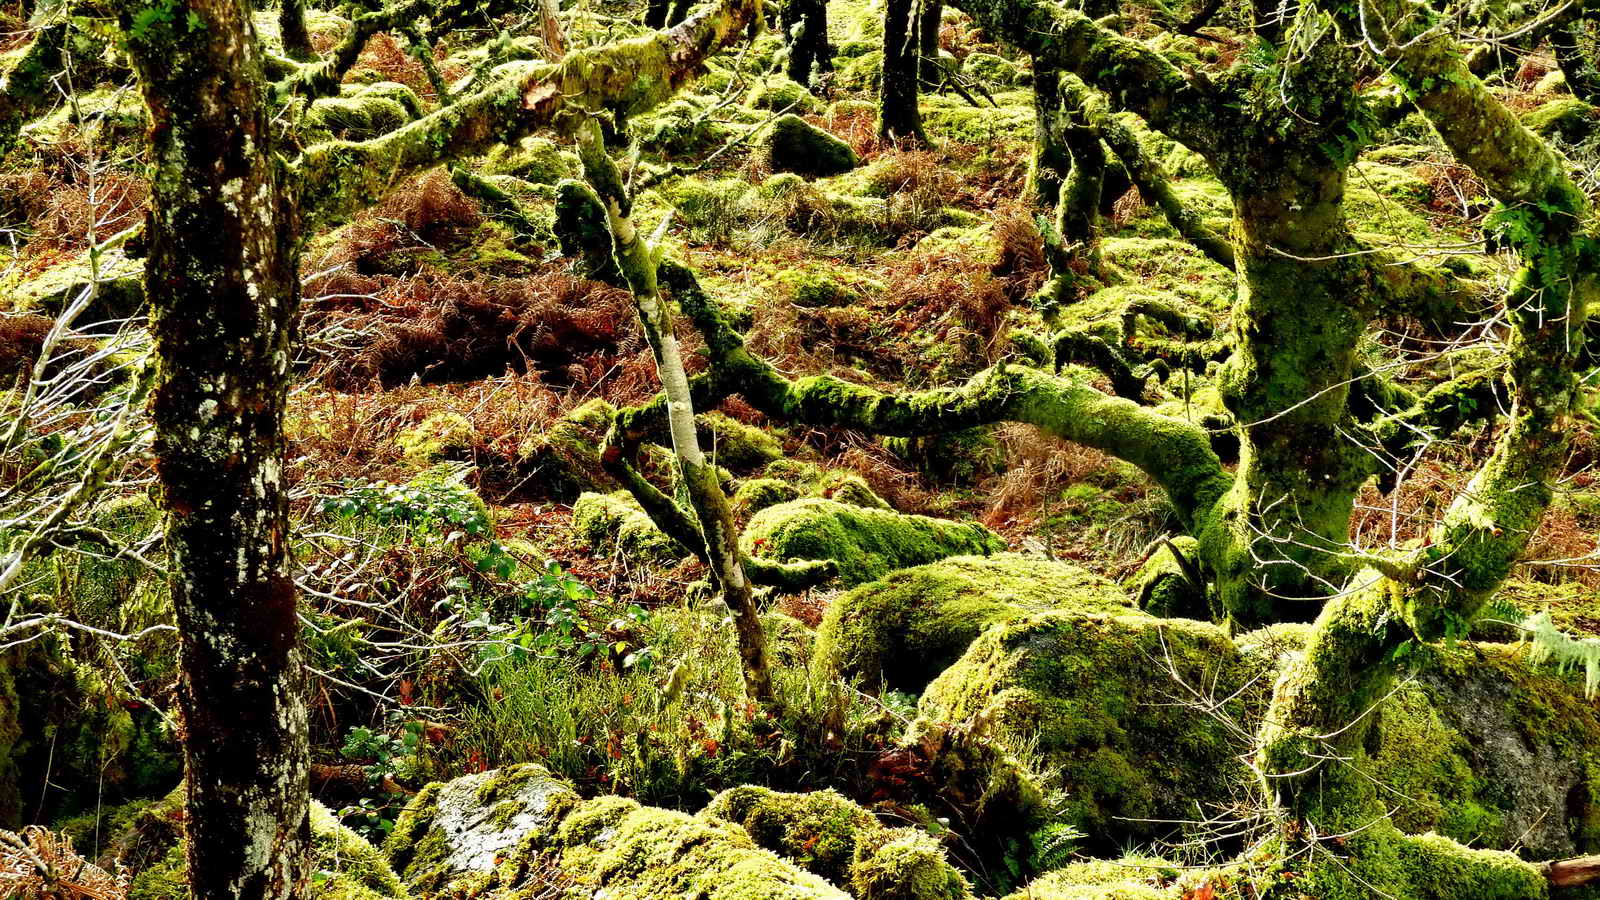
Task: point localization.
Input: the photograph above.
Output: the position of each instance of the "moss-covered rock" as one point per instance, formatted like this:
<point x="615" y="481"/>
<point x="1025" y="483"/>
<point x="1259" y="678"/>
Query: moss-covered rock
<point x="536" y="160"/>
<point x="844" y="843"/>
<point x="992" y="69"/>
<point x="1134" y="879"/>
<point x="1103" y="703"/>
<point x="120" y="288"/>
<point x="732" y="443"/>
<point x="864" y="543"/>
<point x="616" y="523"/>
<point x="356" y="117"/>
<point x="776" y="93"/>
<point x="904" y="630"/>
<point x="563" y="461"/>
<point x="757" y="494"/>
<point x="472" y="824"/>
<point x="441" y="436"/>
<point x="485" y="835"/>
<point x="1568" y="118"/>
<point x="795" y="145"/>
<point x="1164" y="586"/>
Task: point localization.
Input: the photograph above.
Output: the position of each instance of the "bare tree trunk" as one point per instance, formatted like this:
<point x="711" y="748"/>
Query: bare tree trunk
<point x="292" y="27"/>
<point x="805" y="25"/>
<point x="930" y="15"/>
<point x="223" y="286"/>
<point x="898" y="115"/>
<point x="637" y="260"/>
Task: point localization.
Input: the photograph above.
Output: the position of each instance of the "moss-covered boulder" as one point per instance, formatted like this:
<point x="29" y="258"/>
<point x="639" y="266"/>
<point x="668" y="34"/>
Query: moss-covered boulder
<point x="1167" y="584"/>
<point x="844" y="843"/>
<point x="757" y="494"/>
<point x="615" y="523"/>
<point x="563" y="461"/>
<point x="1568" y="118"/>
<point x="904" y="630"/>
<point x="961" y="457"/>
<point x="864" y="543"/>
<point x="776" y="93"/>
<point x="489" y="834"/>
<point x="1137" y="879"/>
<point x="356" y="118"/>
<point x="795" y="145"/>
<point x="536" y="160"/>
<point x="992" y="69"/>
<point x="441" y="436"/>
<point x="119" y="286"/>
<point x="731" y="443"/>
<point x="1108" y="705"/>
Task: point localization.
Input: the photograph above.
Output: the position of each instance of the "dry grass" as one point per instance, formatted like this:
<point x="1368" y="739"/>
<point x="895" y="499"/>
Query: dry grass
<point x="1040" y="466"/>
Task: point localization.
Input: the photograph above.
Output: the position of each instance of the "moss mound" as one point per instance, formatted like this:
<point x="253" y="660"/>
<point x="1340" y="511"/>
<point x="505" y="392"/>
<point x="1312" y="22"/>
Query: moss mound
<point x="864" y="543"/>
<point x="441" y="436"/>
<point x="842" y="842"/>
<point x="616" y="523"/>
<point x="1130" y="879"/>
<point x="519" y="827"/>
<point x="1100" y="701"/>
<point x="757" y="494"/>
<point x="564" y="460"/>
<point x="906" y="629"/>
<point x="795" y="145"/>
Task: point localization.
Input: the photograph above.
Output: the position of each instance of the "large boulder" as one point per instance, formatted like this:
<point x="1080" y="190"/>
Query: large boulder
<point x="864" y="543"/>
<point x="1122" y="710"/>
<point x="795" y="145"/>
<point x="488" y="834"/>
<point x="843" y="842"/>
<point x="904" y="630"/>
<point x="616" y="523"/>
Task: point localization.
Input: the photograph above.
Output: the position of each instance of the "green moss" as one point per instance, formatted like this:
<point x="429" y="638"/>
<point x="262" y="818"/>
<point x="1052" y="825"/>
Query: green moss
<point x="775" y="93"/>
<point x="963" y="123"/>
<point x="904" y="864"/>
<point x="862" y="71"/>
<point x="904" y="630"/>
<point x="992" y="69"/>
<point x="441" y="436"/>
<point x="813" y="288"/>
<point x="616" y="523"/>
<point x="564" y="459"/>
<point x="1162" y="586"/>
<point x="1568" y="118"/>
<point x="731" y="443"/>
<point x="536" y="160"/>
<point x="358" y="117"/>
<point x="818" y="830"/>
<point x="121" y="288"/>
<point x="1090" y="696"/>
<point x="1173" y="268"/>
<point x="795" y="145"/>
<point x="864" y="543"/>
<point x="1126" y="879"/>
<point x="757" y="494"/>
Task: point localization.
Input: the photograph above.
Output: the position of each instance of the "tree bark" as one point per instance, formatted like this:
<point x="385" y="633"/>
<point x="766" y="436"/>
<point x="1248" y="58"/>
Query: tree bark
<point x="899" y="117"/>
<point x="222" y="283"/>
<point x="930" y="16"/>
<point x="805" y="27"/>
<point x="292" y="28"/>
<point x="1050" y="162"/>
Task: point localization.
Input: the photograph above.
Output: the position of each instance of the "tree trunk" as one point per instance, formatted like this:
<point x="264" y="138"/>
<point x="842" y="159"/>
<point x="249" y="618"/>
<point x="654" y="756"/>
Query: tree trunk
<point x="292" y="27"/>
<point x="697" y="476"/>
<point x="930" y="16"/>
<point x="805" y="26"/>
<point x="898" y="115"/>
<point x="223" y="288"/>
<point x="1050" y="162"/>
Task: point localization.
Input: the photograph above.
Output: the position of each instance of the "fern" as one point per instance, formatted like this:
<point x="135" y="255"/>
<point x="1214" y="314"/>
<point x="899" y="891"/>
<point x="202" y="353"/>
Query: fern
<point x="1053" y="846"/>
<point x="1551" y="643"/>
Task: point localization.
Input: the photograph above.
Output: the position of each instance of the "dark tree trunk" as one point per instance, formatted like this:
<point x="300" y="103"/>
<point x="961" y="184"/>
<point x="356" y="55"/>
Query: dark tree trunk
<point x="292" y="26"/>
<point x="898" y="115"/>
<point x="805" y="26"/>
<point x="655" y="13"/>
<point x="222" y="281"/>
<point x="929" y="17"/>
<point x="1051" y="162"/>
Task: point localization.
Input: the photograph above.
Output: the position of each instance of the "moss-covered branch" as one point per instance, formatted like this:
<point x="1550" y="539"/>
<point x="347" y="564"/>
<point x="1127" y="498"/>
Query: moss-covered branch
<point x="631" y="76"/>
<point x="1136" y="77"/>
<point x="1175" y="454"/>
<point x="501" y="206"/>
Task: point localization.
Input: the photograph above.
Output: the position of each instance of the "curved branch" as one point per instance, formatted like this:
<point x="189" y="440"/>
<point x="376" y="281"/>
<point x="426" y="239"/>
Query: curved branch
<point x="1174" y="453"/>
<point x="340" y="177"/>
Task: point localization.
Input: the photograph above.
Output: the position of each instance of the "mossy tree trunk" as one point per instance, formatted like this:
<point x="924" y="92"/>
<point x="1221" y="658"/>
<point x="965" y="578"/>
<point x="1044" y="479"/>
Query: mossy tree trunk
<point x="292" y="29"/>
<point x="1050" y="162"/>
<point x="698" y="477"/>
<point x="805" y="26"/>
<point x="930" y="16"/>
<point x="222" y="283"/>
<point x="899" y="117"/>
<point x="25" y="91"/>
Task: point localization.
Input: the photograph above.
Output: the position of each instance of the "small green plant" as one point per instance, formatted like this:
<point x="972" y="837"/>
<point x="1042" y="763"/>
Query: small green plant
<point x="435" y="507"/>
